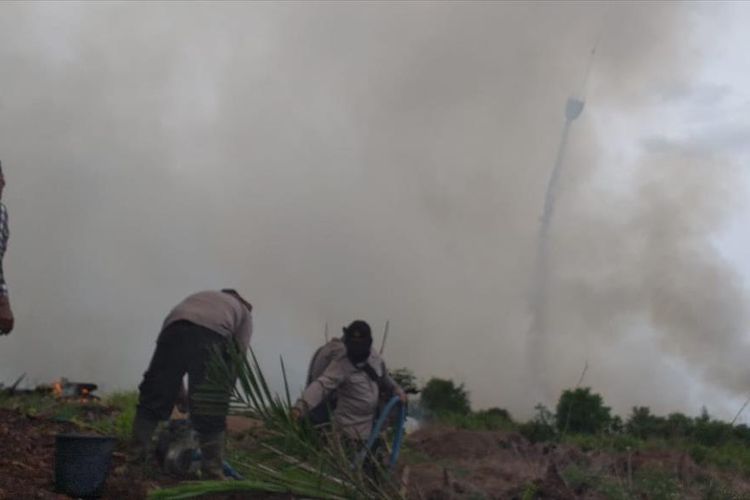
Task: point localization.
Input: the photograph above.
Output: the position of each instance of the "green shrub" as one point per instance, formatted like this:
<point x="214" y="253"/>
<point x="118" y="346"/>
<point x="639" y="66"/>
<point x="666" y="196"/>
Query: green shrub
<point x="580" y="480"/>
<point x="541" y="428"/>
<point x="742" y="433"/>
<point x="679" y="425"/>
<point x="624" y="442"/>
<point x="122" y="400"/>
<point x="731" y="456"/>
<point x="698" y="453"/>
<point x="643" y="424"/>
<point x="441" y="396"/>
<point x="712" y="432"/>
<point x="616" y="426"/>
<point x="657" y="485"/>
<point x="120" y="423"/>
<point x="715" y="490"/>
<point x="485" y="420"/>
<point x="581" y="411"/>
<point x="529" y="492"/>
<point x="586" y="442"/>
<point x="406" y="379"/>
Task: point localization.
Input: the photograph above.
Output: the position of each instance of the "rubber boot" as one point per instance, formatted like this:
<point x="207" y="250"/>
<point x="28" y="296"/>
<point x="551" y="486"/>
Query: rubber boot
<point x="143" y="431"/>
<point x="212" y="448"/>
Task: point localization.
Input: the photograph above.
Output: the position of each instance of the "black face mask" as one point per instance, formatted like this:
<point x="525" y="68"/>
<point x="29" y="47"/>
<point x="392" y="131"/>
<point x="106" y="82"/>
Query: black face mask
<point x="358" y="351"/>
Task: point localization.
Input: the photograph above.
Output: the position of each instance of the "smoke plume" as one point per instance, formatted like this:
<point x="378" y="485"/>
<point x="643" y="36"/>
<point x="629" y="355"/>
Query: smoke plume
<point x="361" y="160"/>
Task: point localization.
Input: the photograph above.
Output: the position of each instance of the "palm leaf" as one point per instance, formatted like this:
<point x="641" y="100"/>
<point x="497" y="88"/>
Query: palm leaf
<point x="292" y="457"/>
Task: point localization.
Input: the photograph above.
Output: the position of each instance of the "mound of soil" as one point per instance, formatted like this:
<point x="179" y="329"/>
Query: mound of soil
<point x="27" y="461"/>
<point x="27" y="458"/>
<point x="466" y="464"/>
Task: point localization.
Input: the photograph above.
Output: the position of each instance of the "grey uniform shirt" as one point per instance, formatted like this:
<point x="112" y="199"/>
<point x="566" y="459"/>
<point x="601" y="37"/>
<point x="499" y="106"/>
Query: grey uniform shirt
<point x="219" y="312"/>
<point x="357" y="393"/>
<point x="323" y="357"/>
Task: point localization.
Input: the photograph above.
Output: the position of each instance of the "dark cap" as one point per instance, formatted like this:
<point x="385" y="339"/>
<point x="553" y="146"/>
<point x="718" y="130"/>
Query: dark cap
<point x="358" y="330"/>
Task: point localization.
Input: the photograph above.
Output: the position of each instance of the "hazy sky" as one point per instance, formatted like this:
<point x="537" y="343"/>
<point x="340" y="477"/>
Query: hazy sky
<point x="383" y="161"/>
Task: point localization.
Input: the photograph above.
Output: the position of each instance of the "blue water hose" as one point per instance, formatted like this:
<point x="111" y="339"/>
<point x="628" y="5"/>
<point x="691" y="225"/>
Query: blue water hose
<point x="228" y="469"/>
<point x="397" y="439"/>
<point x="230" y="472"/>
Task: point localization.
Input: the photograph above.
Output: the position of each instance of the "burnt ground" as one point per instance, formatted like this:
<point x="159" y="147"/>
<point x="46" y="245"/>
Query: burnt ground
<point x="438" y="463"/>
<point x="446" y="463"/>
<point x="27" y="461"/>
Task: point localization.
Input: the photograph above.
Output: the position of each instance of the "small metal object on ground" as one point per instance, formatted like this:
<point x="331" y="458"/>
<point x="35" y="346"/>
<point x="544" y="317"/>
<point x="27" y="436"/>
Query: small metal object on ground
<point x="178" y="451"/>
<point x="175" y="448"/>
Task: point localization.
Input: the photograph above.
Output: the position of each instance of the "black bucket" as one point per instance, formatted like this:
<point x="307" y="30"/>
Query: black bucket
<point x="82" y="464"/>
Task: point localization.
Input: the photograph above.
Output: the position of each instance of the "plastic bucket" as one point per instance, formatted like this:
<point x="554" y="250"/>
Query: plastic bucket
<point x="82" y="464"/>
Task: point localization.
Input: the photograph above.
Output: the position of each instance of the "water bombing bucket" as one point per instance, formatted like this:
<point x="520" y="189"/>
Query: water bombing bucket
<point x="82" y="464"/>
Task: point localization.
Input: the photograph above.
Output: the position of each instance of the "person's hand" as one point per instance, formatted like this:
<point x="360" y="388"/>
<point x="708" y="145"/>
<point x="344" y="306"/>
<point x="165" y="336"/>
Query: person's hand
<point x="402" y="395"/>
<point x="296" y="414"/>
<point x="6" y="316"/>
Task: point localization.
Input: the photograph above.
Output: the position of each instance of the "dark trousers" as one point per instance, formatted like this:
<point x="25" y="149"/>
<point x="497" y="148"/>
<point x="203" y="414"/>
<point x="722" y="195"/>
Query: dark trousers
<point x="372" y="466"/>
<point x="183" y="347"/>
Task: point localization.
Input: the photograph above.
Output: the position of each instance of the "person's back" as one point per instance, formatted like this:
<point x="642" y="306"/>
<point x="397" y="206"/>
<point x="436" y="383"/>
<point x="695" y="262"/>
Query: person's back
<point x="323" y="357"/>
<point x="223" y="312"/>
<point x="195" y="329"/>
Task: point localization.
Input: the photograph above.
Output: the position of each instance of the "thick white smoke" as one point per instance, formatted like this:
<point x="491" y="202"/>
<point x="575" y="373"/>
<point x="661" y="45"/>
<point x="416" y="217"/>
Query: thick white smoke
<point x="355" y="160"/>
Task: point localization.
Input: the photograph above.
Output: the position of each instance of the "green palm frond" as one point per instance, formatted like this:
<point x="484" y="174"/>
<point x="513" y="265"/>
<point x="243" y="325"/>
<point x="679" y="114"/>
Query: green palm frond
<point x="290" y="457"/>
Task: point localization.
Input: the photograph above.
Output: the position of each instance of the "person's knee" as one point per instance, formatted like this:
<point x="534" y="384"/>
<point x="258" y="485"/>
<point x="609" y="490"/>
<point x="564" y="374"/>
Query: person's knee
<point x="209" y="424"/>
<point x="156" y="403"/>
<point x="149" y="412"/>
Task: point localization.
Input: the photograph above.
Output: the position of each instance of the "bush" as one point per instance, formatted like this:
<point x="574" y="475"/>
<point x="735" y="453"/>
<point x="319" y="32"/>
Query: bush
<point x="698" y="453"/>
<point x="617" y="443"/>
<point x="582" y="480"/>
<point x="616" y="426"/>
<point x="643" y="424"/>
<point x="732" y="456"/>
<point x="495" y="412"/>
<point x="120" y="423"/>
<point x="679" y="425"/>
<point x="742" y="433"/>
<point x="541" y="428"/>
<point x="441" y="396"/>
<point x="581" y="411"/>
<point x="494" y="419"/>
<point x="406" y="379"/>
<point x="657" y="485"/>
<point x="712" y="432"/>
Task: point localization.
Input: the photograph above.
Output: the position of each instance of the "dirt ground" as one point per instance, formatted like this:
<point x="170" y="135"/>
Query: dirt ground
<point x="27" y="461"/>
<point x="453" y="463"/>
<point x="458" y="464"/>
<point x="440" y="464"/>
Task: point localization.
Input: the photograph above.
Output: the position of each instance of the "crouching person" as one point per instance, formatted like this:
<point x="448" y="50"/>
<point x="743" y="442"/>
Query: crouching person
<point x="191" y="334"/>
<point x="356" y="374"/>
<point x="334" y="349"/>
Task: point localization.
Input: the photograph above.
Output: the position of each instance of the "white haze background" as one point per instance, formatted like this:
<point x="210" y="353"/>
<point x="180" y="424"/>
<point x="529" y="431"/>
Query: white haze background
<point x="383" y="161"/>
